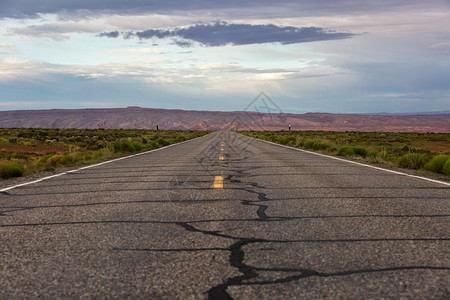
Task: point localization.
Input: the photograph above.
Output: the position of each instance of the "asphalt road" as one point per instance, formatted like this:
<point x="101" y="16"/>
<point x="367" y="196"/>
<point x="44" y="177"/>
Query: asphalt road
<point x="251" y="221"/>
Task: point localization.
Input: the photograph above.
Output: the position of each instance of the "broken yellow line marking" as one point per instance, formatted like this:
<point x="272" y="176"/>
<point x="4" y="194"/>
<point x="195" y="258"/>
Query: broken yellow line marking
<point x="218" y="182"/>
<point x="220" y="157"/>
<point x="221" y="149"/>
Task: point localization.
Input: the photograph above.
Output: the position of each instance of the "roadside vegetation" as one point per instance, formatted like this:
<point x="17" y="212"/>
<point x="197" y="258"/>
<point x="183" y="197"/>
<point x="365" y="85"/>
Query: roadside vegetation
<point x="426" y="152"/>
<point x="30" y="150"/>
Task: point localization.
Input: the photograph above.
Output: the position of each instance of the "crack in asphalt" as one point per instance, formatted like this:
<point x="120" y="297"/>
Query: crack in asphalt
<point x="237" y="253"/>
<point x="248" y="275"/>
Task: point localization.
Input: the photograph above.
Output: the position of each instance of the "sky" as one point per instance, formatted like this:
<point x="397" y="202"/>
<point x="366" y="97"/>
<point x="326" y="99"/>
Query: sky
<point x="336" y="56"/>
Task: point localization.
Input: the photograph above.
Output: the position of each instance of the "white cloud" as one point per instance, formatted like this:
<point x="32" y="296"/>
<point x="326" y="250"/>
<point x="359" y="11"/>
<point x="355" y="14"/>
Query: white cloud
<point x="135" y="51"/>
<point x="387" y="95"/>
<point x="8" y="49"/>
<point x="7" y="45"/>
<point x="58" y="31"/>
<point x="440" y="45"/>
<point x="143" y="22"/>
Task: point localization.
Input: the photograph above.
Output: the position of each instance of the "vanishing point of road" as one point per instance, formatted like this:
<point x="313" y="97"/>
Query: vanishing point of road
<point x="225" y="216"/>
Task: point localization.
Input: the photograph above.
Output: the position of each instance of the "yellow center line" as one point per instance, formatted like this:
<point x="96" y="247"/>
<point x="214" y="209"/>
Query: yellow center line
<point x="220" y="157"/>
<point x="218" y="182"/>
<point x="221" y="149"/>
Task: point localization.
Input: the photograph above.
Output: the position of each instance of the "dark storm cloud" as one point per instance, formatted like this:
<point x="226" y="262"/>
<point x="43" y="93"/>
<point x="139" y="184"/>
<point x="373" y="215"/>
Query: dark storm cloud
<point x="221" y="33"/>
<point x="32" y="8"/>
<point x="111" y="34"/>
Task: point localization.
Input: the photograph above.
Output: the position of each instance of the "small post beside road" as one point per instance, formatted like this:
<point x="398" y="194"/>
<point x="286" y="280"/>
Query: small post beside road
<point x="289" y="129"/>
<point x="157" y="131"/>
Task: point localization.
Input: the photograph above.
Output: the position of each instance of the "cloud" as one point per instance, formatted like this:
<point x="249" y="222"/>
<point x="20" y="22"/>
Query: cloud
<point x="57" y="31"/>
<point x="33" y="8"/>
<point x="134" y="51"/>
<point x="440" y="45"/>
<point x="222" y="33"/>
<point x="6" y="45"/>
<point x="183" y="43"/>
<point x="111" y="34"/>
<point x="7" y="49"/>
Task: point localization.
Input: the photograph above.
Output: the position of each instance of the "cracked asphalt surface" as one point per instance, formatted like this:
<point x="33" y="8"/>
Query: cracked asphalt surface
<point x="287" y="224"/>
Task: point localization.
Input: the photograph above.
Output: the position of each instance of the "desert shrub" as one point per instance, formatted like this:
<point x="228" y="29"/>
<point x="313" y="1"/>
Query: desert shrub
<point x="331" y="149"/>
<point x="180" y="138"/>
<point x="437" y="163"/>
<point x="412" y="161"/>
<point x="15" y="155"/>
<point x="44" y="158"/>
<point x="290" y="140"/>
<point x="54" y="160"/>
<point x="163" y="142"/>
<point x="345" y="151"/>
<point x="136" y="147"/>
<point x="302" y="142"/>
<point x="100" y="145"/>
<point x="97" y="154"/>
<point x="274" y="138"/>
<point x="4" y="141"/>
<point x="309" y="144"/>
<point x="372" y="154"/>
<point x="126" y="146"/>
<point x="384" y="155"/>
<point x="67" y="160"/>
<point x="11" y="169"/>
<point x="361" y="151"/>
<point x="152" y="145"/>
<point x="316" y="145"/>
<point x="446" y="168"/>
<point x="282" y="140"/>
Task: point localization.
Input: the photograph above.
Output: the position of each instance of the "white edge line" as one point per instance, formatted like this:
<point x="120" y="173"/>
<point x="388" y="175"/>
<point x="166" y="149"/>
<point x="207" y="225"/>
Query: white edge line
<point x="95" y="165"/>
<point x="357" y="163"/>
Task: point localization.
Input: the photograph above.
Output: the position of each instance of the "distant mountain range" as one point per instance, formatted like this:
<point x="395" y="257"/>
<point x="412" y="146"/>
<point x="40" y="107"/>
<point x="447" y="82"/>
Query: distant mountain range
<point x="149" y="118"/>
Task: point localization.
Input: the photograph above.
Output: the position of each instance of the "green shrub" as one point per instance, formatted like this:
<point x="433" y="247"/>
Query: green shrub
<point x="331" y="149"/>
<point x="152" y="145"/>
<point x="309" y="144"/>
<point x="372" y="154"/>
<point x="345" y="151"/>
<point x="126" y="146"/>
<point x="11" y="169"/>
<point x="54" y="160"/>
<point x="446" y="168"/>
<point x="384" y="155"/>
<point x="302" y="142"/>
<point x="44" y="158"/>
<point x="136" y="147"/>
<point x="316" y="145"/>
<point x="180" y="138"/>
<point x="412" y="161"/>
<point x="290" y="140"/>
<point x="274" y="138"/>
<point x="67" y="160"/>
<point x="361" y="151"/>
<point x="437" y="163"/>
<point x="282" y="140"/>
<point x="163" y="142"/>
